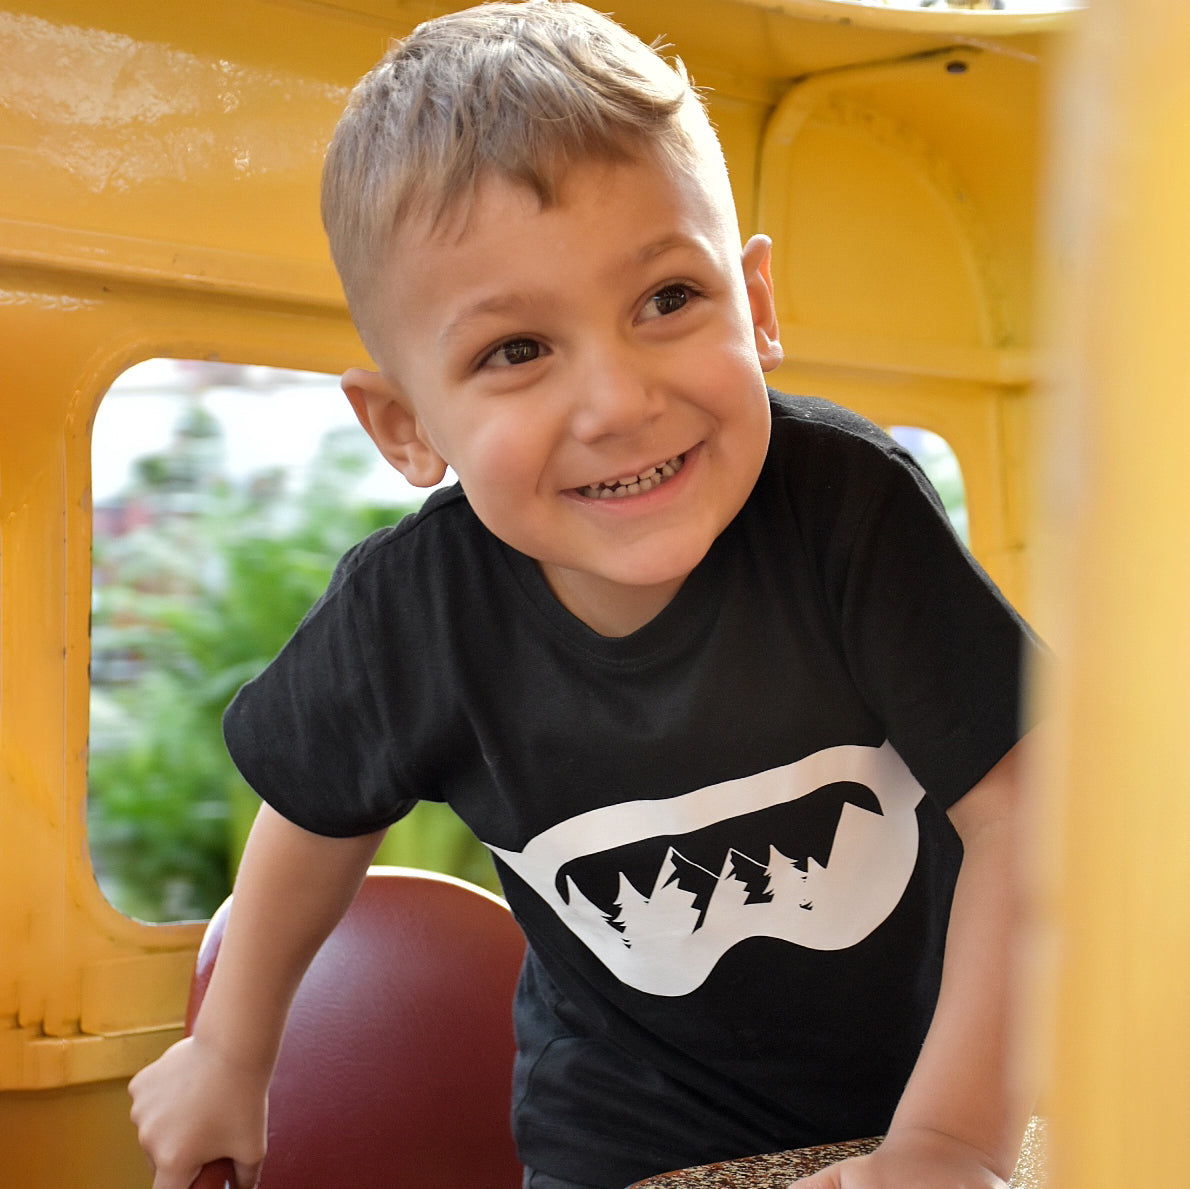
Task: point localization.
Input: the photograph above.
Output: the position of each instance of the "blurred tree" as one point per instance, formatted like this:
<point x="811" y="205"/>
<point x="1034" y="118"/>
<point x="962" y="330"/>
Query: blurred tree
<point x="189" y="604"/>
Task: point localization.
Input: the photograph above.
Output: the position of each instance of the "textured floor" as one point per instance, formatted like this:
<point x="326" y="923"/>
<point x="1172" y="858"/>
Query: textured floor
<point x="777" y="1169"/>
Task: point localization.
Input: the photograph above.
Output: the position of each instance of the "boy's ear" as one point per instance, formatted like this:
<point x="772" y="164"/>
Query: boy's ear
<point x="391" y="423"/>
<point x="758" y="279"/>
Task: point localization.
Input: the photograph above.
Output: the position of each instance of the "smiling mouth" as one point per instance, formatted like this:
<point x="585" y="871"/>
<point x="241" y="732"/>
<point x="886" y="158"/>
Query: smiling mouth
<point x="618" y="489"/>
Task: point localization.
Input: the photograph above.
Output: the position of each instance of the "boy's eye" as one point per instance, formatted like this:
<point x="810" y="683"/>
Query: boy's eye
<point x="668" y="300"/>
<point x="514" y="351"/>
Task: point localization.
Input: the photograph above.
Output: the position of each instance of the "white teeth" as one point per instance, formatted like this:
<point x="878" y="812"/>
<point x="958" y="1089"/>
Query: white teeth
<point x="634" y="484"/>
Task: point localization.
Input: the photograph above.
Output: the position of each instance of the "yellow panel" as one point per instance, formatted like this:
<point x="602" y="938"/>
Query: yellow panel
<point x="905" y="191"/>
<point x="1117" y="499"/>
<point x="170" y="143"/>
<point x="74" y="1138"/>
<point x="901" y="192"/>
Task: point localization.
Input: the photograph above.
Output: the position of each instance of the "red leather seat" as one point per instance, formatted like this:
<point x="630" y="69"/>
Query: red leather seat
<point x="396" y="1065"/>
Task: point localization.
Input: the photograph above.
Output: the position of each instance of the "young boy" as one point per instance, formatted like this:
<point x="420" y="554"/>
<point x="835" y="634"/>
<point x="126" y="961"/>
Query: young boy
<point x="704" y="666"/>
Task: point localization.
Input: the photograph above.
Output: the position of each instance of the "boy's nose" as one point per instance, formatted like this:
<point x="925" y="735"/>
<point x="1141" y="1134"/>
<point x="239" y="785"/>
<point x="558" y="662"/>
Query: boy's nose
<point x="615" y="398"/>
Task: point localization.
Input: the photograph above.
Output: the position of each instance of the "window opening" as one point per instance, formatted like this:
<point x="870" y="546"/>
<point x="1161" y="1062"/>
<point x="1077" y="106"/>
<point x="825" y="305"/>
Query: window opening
<point x="223" y="496"/>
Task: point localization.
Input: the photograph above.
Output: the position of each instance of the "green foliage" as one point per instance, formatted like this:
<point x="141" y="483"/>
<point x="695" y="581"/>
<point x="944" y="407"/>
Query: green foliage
<point x="186" y="609"/>
<point x="157" y="811"/>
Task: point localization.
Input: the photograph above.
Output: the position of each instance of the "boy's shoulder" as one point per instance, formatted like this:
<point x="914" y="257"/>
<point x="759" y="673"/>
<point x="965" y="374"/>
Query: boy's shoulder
<point x="428" y="539"/>
<point x="817" y="419"/>
<point x="445" y="504"/>
<point x="815" y="438"/>
<point x="834" y="466"/>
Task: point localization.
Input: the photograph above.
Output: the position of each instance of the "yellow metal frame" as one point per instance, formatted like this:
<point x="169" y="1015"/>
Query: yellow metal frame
<point x="1116" y="574"/>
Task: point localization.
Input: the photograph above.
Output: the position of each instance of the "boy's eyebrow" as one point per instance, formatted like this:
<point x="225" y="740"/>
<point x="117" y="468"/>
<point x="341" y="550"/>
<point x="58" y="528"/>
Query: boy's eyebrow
<point x="509" y="304"/>
<point x="499" y="303"/>
<point x="668" y="243"/>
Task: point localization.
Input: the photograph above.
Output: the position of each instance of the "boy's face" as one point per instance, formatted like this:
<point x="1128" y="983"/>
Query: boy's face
<point x="592" y="371"/>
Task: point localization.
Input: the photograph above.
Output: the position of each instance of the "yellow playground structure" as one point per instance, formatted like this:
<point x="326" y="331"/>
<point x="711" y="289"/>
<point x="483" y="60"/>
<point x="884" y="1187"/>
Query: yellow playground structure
<point x="980" y="228"/>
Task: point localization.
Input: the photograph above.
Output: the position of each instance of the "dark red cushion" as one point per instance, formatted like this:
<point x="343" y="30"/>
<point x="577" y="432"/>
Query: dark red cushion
<point x="396" y="1066"/>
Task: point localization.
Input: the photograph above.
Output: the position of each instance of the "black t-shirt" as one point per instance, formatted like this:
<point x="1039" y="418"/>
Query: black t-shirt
<point x="724" y="835"/>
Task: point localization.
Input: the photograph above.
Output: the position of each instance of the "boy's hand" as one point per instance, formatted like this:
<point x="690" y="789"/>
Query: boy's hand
<point x="193" y="1106"/>
<point x="914" y="1159"/>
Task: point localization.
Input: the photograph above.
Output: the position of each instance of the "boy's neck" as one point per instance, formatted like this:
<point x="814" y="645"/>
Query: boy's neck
<point x="610" y="609"/>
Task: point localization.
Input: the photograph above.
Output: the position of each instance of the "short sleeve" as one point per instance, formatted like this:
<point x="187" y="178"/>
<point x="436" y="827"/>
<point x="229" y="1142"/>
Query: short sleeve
<point x="936" y="650"/>
<point x="312" y="733"/>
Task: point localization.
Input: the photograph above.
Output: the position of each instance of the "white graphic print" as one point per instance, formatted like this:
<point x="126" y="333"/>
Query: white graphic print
<point x="825" y="888"/>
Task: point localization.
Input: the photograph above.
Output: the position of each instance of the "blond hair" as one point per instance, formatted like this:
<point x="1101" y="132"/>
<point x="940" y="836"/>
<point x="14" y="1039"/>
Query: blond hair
<point x="520" y="91"/>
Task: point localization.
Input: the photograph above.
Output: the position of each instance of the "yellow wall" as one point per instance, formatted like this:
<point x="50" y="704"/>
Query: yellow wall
<point x="73" y="1137"/>
<point x="158" y="196"/>
<point x="1118" y="568"/>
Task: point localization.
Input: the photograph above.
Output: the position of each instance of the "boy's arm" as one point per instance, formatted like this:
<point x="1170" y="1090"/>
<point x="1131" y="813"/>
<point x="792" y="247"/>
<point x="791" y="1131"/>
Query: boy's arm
<point x="206" y="1097"/>
<point x="963" y="1114"/>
